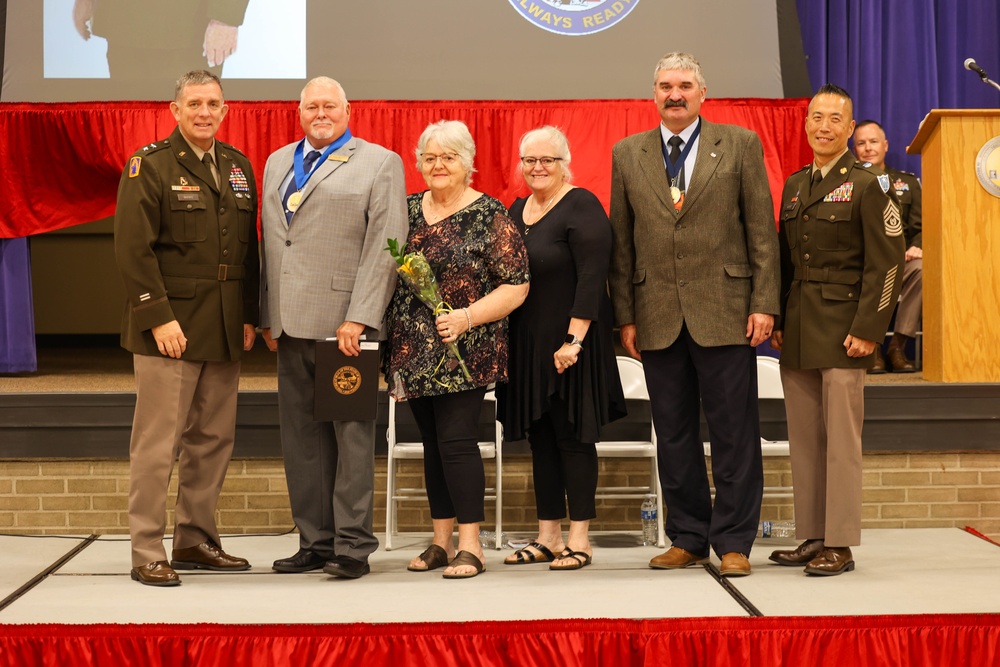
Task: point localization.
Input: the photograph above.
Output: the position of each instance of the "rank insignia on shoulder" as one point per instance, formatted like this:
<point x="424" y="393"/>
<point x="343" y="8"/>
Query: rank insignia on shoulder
<point x="134" y="165"/>
<point x="842" y="193"/>
<point x="883" y="182"/>
<point x="900" y="186"/>
<point x="182" y="154"/>
<point x="867" y="165"/>
<point x="843" y="170"/>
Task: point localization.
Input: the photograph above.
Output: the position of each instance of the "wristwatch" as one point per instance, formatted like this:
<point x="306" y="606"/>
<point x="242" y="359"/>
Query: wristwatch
<point x="573" y="340"/>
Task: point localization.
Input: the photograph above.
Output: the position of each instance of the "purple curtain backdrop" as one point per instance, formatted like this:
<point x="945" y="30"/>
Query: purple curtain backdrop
<point x="17" y="319"/>
<point x="901" y="58"/>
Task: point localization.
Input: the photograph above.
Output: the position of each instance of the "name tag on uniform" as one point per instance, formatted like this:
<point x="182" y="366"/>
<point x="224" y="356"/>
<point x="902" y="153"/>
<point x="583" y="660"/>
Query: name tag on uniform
<point x="186" y="196"/>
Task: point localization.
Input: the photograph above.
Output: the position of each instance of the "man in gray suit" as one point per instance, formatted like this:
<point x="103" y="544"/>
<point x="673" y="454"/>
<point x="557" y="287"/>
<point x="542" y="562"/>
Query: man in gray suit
<point x="694" y="281"/>
<point x="329" y="203"/>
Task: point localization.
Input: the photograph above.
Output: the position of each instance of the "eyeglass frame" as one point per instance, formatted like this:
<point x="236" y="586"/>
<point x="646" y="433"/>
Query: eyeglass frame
<point x="539" y="160"/>
<point x="447" y="159"/>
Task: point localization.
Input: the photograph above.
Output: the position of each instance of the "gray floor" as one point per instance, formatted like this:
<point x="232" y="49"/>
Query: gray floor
<point x="899" y="572"/>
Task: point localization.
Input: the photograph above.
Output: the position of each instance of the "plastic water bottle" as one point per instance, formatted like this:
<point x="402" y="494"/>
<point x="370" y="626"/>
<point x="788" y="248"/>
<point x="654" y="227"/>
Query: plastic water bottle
<point x="768" y="529"/>
<point x="648" y="512"/>
<point x="488" y="539"/>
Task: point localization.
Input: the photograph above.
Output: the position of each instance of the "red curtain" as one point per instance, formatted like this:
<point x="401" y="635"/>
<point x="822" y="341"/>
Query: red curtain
<point x="858" y="641"/>
<point x="60" y="163"/>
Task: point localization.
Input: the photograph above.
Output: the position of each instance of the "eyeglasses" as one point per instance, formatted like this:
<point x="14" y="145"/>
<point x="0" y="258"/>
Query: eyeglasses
<point x="447" y="159"/>
<point x="546" y="161"/>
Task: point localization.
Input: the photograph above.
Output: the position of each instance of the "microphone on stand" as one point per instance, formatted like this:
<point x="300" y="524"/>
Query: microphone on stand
<point x="971" y="65"/>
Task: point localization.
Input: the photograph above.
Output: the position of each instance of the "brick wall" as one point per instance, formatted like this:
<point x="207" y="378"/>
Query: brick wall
<point x="916" y="490"/>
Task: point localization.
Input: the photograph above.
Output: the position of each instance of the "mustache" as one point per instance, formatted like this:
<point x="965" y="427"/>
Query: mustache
<point x="675" y="103"/>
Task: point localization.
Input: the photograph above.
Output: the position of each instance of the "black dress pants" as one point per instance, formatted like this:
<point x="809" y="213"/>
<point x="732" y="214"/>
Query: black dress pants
<point x="563" y="468"/>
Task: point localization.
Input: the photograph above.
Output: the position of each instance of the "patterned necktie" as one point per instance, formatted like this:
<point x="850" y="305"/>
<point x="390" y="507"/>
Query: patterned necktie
<point x="307" y="165"/>
<point x="675" y="154"/>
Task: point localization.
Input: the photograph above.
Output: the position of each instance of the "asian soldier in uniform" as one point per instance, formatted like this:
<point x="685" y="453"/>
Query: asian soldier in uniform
<point x="186" y="245"/>
<point x="870" y="145"/>
<point x="841" y="241"/>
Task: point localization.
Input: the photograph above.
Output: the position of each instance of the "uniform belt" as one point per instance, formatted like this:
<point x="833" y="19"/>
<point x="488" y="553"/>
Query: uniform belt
<point x="211" y="271"/>
<point x="826" y="275"/>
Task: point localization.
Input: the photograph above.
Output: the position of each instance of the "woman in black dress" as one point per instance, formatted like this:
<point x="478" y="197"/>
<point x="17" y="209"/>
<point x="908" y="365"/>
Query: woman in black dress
<point x="564" y="383"/>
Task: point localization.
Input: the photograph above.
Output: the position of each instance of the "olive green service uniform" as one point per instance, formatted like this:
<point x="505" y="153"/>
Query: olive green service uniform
<point x="153" y="38"/>
<point x="841" y="263"/>
<point x="187" y="251"/>
<point x="909" y="312"/>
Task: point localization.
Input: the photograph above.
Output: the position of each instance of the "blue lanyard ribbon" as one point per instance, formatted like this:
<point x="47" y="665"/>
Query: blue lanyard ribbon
<point x="674" y="170"/>
<point x="301" y="177"/>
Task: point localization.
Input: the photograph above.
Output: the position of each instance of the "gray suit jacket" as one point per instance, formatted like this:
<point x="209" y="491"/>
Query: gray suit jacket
<point x="709" y="265"/>
<point x="329" y="265"/>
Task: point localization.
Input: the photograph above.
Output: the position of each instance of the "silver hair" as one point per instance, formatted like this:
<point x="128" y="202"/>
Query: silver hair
<point x="682" y="61"/>
<point x="560" y="145"/>
<point x="197" y="77"/>
<point x="452" y="135"/>
<point x="323" y="81"/>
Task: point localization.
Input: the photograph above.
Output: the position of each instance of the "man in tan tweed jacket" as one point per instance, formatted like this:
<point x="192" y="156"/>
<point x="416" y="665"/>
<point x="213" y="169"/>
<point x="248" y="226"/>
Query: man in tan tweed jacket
<point x="694" y="281"/>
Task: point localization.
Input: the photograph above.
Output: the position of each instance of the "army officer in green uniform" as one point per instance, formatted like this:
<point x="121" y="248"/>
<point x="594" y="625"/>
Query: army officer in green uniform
<point x="157" y="39"/>
<point x="186" y="245"/>
<point x="841" y="241"/>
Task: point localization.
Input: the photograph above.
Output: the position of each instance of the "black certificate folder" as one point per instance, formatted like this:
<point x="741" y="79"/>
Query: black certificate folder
<point x="346" y="387"/>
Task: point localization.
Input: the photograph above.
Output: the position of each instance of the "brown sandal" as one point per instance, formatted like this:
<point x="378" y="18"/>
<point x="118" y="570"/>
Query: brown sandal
<point x="433" y="557"/>
<point x="465" y="558"/>
<point x="523" y="557"/>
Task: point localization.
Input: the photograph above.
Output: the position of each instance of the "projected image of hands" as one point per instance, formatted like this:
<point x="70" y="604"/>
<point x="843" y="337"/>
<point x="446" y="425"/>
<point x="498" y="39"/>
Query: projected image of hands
<point x="131" y="39"/>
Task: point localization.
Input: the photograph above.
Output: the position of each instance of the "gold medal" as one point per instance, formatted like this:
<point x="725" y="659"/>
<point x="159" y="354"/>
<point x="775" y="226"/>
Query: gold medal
<point x="294" y="200"/>
<point x="675" y="193"/>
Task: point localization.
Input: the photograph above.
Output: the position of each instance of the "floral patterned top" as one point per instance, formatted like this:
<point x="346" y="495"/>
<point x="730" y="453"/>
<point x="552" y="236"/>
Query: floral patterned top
<point x="472" y="252"/>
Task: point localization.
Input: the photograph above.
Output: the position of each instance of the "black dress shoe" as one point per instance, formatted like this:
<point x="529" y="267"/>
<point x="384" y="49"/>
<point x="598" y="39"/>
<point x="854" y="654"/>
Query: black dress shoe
<point x="346" y="567"/>
<point x="303" y="561"/>
<point x="802" y="554"/>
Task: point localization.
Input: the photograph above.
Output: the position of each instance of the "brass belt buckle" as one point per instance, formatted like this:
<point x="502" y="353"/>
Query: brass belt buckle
<point x="223" y="271"/>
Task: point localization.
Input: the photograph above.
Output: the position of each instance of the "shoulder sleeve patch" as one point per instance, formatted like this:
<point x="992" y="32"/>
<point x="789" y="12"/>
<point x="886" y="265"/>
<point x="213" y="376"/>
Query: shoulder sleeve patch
<point x="134" y="164"/>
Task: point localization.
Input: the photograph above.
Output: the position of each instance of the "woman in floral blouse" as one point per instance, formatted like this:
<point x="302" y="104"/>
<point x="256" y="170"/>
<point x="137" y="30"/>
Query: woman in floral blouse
<point x="482" y="272"/>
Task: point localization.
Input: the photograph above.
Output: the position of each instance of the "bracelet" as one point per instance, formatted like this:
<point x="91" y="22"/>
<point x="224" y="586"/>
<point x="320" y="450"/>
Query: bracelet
<point x="468" y="318"/>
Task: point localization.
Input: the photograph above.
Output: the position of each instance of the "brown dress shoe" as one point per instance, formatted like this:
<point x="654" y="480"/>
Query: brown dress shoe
<point x="879" y="366"/>
<point x="831" y="561"/>
<point x="804" y="553"/>
<point x="157" y="573"/>
<point x="206" y="556"/>
<point x="676" y="558"/>
<point x="898" y="360"/>
<point x="734" y="564"/>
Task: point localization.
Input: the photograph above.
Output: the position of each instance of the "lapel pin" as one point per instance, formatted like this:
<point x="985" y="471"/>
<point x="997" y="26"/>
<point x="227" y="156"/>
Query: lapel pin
<point x="843" y="170"/>
<point x="712" y="154"/>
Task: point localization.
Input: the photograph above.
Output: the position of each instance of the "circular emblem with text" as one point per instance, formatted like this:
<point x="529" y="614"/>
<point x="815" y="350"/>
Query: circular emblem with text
<point x="574" y="17"/>
<point x="988" y="166"/>
<point x="346" y="380"/>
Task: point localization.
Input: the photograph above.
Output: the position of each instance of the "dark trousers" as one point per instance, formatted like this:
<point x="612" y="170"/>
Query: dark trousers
<point x="563" y="468"/>
<point x="725" y="380"/>
<point x="453" y="467"/>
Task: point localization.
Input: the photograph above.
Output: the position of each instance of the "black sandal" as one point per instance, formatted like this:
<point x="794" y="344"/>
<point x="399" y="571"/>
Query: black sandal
<point x="433" y="557"/>
<point x="524" y="557"/>
<point x="579" y="559"/>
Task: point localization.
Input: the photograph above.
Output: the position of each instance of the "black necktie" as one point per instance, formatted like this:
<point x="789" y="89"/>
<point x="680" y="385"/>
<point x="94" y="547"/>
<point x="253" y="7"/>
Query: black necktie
<point x="816" y="178"/>
<point x="210" y="165"/>
<point x="675" y="154"/>
<point x="307" y="165"/>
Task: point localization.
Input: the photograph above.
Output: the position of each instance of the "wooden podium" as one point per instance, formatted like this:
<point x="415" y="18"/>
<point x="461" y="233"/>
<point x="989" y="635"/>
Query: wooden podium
<point x="961" y="243"/>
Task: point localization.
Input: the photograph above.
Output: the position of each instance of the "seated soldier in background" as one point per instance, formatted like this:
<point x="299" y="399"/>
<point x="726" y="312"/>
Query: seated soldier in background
<point x="870" y="145"/>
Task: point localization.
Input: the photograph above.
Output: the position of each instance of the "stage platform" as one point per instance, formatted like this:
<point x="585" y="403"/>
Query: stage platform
<point x="931" y="587"/>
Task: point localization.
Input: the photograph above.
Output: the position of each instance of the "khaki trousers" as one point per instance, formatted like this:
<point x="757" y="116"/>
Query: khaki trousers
<point x="184" y="411"/>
